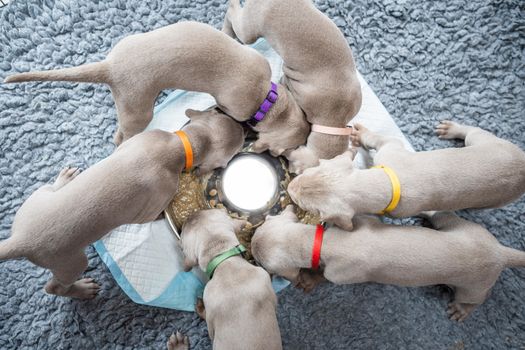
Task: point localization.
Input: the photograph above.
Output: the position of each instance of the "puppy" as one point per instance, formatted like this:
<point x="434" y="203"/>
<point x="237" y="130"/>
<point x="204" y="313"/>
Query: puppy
<point x="462" y="255"/>
<point x="190" y="56"/>
<point x="319" y="69"/>
<point x="133" y="185"/>
<point x="489" y="172"/>
<point x="239" y="300"/>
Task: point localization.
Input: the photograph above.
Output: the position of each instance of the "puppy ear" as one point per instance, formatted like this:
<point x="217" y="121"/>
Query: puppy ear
<point x="192" y="113"/>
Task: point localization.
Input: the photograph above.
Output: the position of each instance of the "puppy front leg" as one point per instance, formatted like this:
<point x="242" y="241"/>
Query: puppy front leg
<point x="362" y="137"/>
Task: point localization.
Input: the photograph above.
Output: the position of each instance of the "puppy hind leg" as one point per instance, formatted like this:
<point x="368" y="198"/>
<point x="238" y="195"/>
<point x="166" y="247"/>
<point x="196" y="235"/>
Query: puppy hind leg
<point x="465" y="302"/>
<point x="450" y="130"/>
<point x="477" y="136"/>
<point x="471" y="134"/>
<point x="64" y="281"/>
<point x="241" y="24"/>
<point x="134" y="113"/>
<point x="227" y="26"/>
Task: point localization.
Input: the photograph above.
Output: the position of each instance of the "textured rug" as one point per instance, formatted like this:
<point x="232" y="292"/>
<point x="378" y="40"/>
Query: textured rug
<point x="426" y="60"/>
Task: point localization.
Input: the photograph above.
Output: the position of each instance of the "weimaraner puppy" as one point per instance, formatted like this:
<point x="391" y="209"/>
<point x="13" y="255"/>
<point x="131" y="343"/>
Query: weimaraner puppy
<point x="456" y="252"/>
<point x="319" y="69"/>
<point x="488" y="173"/>
<point x="190" y="56"/>
<point x="239" y="300"/>
<point x="133" y="185"/>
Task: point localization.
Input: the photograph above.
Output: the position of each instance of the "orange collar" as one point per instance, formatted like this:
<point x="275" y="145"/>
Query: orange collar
<point x="187" y="148"/>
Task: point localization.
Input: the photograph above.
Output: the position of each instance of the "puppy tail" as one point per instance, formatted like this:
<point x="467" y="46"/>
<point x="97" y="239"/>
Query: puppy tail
<point x="515" y="258"/>
<point x="8" y="250"/>
<point x="97" y="72"/>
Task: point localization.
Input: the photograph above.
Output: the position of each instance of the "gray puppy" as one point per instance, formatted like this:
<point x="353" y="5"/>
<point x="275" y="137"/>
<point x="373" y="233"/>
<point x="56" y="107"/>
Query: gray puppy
<point x="190" y="56"/>
<point x="489" y="172"/>
<point x="133" y="185"/>
<point x="462" y="255"/>
<point x="319" y="69"/>
<point x="239" y="300"/>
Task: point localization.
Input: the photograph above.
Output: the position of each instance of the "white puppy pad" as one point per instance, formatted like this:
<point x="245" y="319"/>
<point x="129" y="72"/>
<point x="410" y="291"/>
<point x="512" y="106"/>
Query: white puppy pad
<point x="145" y="259"/>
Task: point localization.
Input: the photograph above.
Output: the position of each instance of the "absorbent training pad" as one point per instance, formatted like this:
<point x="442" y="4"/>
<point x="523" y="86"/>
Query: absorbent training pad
<point x="145" y="259"/>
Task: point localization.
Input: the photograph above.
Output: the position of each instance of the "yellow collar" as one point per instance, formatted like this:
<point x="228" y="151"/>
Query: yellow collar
<point x="396" y="189"/>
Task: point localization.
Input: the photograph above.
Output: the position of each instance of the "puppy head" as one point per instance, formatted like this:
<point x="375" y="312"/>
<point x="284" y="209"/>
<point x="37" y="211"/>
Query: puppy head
<point x="272" y="245"/>
<point x="207" y="233"/>
<point x="286" y="128"/>
<point x="318" y="190"/>
<point x="225" y="137"/>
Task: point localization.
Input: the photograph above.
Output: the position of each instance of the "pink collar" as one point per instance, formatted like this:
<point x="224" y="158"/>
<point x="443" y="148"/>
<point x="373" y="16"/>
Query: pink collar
<point x="331" y="131"/>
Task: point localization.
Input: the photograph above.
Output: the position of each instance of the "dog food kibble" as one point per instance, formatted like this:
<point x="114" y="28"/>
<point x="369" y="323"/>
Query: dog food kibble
<point x="213" y="192"/>
<point x="188" y="199"/>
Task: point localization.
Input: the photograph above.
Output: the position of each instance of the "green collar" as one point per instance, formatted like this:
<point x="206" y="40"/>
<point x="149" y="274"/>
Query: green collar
<point x="212" y="265"/>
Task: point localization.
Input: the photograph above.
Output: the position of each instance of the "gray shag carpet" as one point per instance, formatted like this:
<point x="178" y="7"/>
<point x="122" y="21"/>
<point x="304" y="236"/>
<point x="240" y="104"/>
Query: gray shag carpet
<point x="427" y="60"/>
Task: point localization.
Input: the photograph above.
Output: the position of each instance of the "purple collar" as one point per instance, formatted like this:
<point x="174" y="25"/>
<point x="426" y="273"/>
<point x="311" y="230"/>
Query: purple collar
<point x="268" y="102"/>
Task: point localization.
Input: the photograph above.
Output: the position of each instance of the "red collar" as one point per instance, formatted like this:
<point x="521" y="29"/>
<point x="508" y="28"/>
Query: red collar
<point x="316" y="250"/>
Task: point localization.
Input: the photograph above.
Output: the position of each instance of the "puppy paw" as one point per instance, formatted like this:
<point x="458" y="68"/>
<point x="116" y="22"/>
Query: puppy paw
<point x="205" y="169"/>
<point x="200" y="309"/>
<point x="301" y="159"/>
<point x="357" y="133"/>
<point x="260" y="146"/>
<point x="450" y="130"/>
<point x="309" y="279"/>
<point x="178" y="342"/>
<point x="65" y="176"/>
<point x="85" y="288"/>
<point x="459" y="312"/>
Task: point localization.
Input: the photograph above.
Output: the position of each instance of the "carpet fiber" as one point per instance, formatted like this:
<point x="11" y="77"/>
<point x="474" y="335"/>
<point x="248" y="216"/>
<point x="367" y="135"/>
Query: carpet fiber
<point x="426" y="60"/>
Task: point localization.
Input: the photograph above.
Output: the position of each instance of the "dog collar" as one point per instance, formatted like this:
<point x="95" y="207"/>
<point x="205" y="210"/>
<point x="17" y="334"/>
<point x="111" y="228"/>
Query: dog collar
<point x="346" y="131"/>
<point x="265" y="107"/>
<point x="396" y="189"/>
<point x="219" y="259"/>
<point x="316" y="250"/>
<point x="187" y="148"/>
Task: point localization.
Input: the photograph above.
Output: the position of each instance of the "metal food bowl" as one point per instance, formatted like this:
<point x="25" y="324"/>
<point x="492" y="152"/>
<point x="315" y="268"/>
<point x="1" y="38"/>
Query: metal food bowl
<point x="251" y="187"/>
